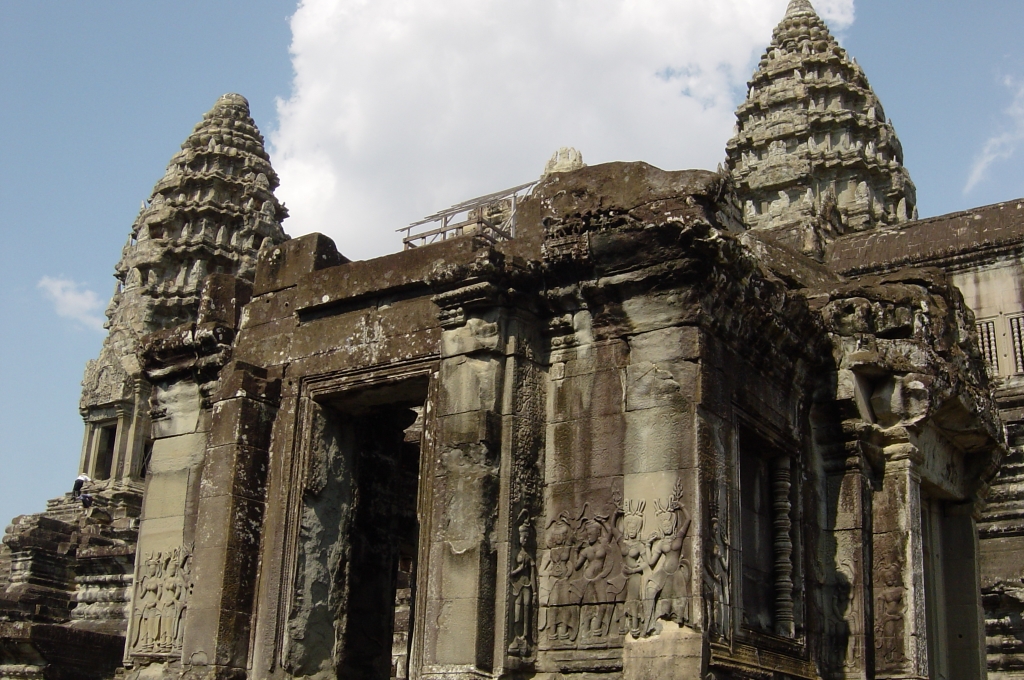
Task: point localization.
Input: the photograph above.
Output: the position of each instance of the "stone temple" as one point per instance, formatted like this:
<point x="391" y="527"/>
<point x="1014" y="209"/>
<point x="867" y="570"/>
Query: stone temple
<point x="618" y="422"/>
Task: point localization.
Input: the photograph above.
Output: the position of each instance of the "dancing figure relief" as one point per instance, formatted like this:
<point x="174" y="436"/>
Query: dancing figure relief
<point x="560" y="623"/>
<point x="716" y="577"/>
<point x="601" y="579"/>
<point x="667" y="588"/>
<point x="595" y="589"/>
<point x="636" y="565"/>
<point x="523" y="578"/>
<point x="161" y="599"/>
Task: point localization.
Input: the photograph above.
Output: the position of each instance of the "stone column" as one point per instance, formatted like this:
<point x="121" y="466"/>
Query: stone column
<point x="130" y="466"/>
<point x="456" y="632"/>
<point x="122" y="441"/>
<point x="848" y="594"/>
<point x="900" y="633"/>
<point x="230" y="511"/>
<point x="519" y="506"/>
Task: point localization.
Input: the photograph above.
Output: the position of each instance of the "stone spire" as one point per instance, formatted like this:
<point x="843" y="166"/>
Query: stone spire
<point x="813" y="155"/>
<point x="800" y="8"/>
<point x="211" y="212"/>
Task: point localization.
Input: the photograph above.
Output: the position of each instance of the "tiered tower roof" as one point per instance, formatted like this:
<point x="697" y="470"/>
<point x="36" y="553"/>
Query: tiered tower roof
<point x="813" y="154"/>
<point x="211" y="212"/>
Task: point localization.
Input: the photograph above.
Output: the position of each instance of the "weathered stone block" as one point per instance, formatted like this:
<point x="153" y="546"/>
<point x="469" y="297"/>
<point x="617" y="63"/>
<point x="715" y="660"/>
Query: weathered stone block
<point x="468" y="384"/>
<point x="657" y="439"/>
<point x="241" y="421"/>
<point x="178" y="406"/>
<point x="675" y="652"/>
<point x="587" y="396"/>
<point x="583" y="448"/>
<point x="234" y="469"/>
<point x="284" y="265"/>
<point x="166" y="494"/>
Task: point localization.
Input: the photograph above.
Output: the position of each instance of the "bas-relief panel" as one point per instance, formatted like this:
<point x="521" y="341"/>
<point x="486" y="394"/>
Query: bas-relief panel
<point x="160" y="603"/>
<point x="890" y="603"/>
<point x="602" y="578"/>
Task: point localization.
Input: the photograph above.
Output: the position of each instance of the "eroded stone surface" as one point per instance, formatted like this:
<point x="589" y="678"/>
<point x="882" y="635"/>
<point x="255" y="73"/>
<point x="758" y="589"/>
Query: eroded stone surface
<point x="733" y="424"/>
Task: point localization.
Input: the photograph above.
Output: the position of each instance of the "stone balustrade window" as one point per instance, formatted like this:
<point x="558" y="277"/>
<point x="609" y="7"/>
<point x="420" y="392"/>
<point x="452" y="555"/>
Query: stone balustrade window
<point x="766" y="508"/>
<point x="1017" y="338"/>
<point x="987" y="340"/>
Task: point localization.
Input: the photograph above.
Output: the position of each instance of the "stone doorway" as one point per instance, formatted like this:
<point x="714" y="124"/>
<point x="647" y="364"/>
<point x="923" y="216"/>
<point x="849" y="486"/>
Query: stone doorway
<point x="370" y="443"/>
<point x="384" y="428"/>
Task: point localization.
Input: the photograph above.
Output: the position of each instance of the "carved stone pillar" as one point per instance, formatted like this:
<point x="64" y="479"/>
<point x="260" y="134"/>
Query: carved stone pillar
<point x="519" y="507"/>
<point x="848" y="595"/>
<point x="900" y="630"/>
<point x="456" y="634"/>
<point x="230" y="511"/>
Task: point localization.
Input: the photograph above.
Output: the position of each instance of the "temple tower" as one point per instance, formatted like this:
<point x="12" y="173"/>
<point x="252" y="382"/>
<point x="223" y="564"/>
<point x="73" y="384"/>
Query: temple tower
<point x="68" y="575"/>
<point x="211" y="213"/>
<point x="813" y="154"/>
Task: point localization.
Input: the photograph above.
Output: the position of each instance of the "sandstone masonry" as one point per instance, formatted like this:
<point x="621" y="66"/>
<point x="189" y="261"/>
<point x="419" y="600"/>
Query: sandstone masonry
<point x="619" y="423"/>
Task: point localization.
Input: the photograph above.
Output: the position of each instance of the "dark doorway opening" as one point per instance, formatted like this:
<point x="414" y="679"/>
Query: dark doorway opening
<point x="385" y="429"/>
<point x="105" y="451"/>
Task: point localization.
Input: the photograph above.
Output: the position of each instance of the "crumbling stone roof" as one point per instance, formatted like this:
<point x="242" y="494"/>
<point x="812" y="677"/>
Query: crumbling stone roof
<point x="970" y="236"/>
<point x="813" y="155"/>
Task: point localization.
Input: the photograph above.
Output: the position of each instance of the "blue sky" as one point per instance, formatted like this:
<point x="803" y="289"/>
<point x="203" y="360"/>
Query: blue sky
<point x="393" y="109"/>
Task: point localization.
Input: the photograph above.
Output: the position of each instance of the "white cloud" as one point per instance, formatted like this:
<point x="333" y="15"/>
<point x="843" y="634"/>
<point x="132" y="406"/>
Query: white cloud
<point x="838" y="14"/>
<point x="402" y="107"/>
<point x="1002" y="146"/>
<point x="70" y="301"/>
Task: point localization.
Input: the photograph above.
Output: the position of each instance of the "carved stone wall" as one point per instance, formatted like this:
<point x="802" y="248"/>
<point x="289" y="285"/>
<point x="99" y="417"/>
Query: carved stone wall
<point x="630" y="442"/>
<point x="160" y="603"/>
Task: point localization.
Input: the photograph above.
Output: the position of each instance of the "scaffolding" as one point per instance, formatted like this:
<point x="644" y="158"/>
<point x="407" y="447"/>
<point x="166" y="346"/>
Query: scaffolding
<point x="492" y="217"/>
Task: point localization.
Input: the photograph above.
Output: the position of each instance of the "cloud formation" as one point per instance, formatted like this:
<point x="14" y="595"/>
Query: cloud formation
<point x="70" y="301"/>
<point x="400" y="108"/>
<point x="1002" y="146"/>
<point x="838" y="14"/>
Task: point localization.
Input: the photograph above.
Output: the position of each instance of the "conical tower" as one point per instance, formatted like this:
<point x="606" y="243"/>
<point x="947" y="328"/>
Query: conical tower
<point x="211" y="213"/>
<point x="813" y="155"/>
